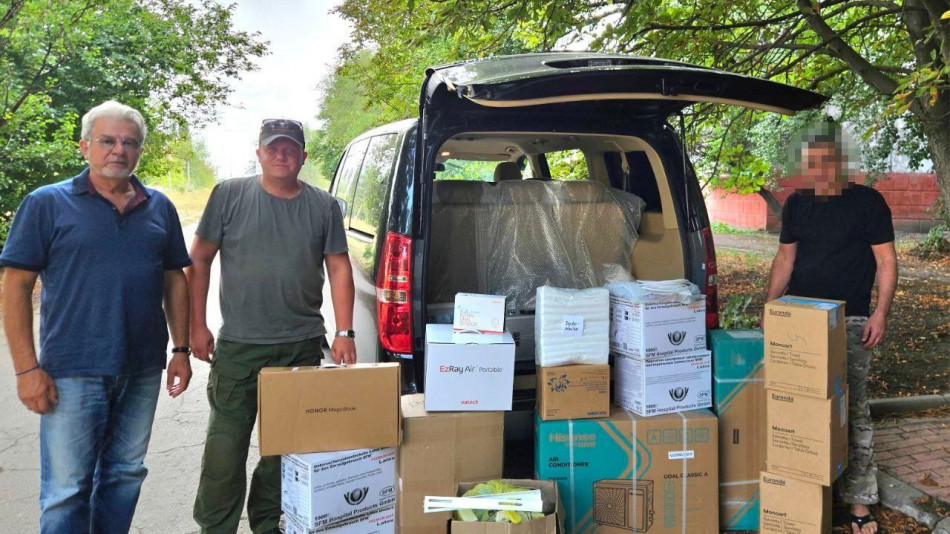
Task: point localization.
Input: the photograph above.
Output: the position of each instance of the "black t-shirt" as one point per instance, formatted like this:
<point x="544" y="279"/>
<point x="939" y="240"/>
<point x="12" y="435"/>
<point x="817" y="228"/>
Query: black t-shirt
<point x="834" y="235"/>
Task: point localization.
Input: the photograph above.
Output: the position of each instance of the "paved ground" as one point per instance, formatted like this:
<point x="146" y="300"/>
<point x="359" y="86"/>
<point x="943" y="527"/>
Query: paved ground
<point x="917" y="451"/>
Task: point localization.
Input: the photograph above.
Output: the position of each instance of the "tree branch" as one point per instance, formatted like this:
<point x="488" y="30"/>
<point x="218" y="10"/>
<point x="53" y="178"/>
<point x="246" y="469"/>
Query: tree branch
<point x="12" y="11"/>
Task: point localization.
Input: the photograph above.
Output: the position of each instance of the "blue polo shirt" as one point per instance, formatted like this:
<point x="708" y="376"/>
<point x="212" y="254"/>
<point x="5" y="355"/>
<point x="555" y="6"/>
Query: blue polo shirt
<point x="103" y="276"/>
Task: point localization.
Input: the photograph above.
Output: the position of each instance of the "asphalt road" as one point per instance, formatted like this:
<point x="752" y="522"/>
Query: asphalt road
<point x="173" y="460"/>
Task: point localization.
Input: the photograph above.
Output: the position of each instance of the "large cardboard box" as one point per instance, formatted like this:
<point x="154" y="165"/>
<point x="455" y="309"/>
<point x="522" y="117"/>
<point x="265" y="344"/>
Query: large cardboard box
<point x="791" y="506"/>
<point x="484" y="314"/>
<point x="627" y="473"/>
<point x="326" y="488"/>
<point x="330" y="408"/>
<point x="439" y="450"/>
<point x="656" y="329"/>
<point x="380" y="522"/>
<point x="671" y="384"/>
<point x="551" y="523"/>
<point x="805" y="346"/>
<point x="476" y="374"/>
<point x="739" y="400"/>
<point x="573" y="392"/>
<point x="807" y="438"/>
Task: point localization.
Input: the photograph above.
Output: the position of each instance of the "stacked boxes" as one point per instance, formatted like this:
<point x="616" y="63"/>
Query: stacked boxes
<point x="807" y="413"/>
<point x="571" y="353"/>
<point x="739" y="400"/>
<point x="658" y="343"/>
<point x="627" y="473"/>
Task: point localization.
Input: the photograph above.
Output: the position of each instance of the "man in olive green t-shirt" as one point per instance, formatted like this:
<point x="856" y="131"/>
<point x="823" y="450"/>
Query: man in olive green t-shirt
<point x="274" y="233"/>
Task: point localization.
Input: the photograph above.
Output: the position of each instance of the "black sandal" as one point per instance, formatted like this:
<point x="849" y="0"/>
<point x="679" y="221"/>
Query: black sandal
<point x="861" y="520"/>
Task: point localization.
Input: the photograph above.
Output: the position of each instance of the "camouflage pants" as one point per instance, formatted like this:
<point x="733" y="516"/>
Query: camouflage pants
<point x="858" y="483"/>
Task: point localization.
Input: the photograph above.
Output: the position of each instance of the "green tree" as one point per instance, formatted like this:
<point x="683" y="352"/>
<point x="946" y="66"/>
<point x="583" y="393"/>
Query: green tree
<point x="884" y="62"/>
<point x="171" y="59"/>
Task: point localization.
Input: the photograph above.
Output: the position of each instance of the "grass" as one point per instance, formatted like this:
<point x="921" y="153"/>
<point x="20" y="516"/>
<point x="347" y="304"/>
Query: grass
<point x="190" y="204"/>
<point x="723" y="228"/>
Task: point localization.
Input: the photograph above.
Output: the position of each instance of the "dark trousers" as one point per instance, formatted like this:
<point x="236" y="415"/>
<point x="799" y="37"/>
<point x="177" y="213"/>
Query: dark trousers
<point x="232" y="394"/>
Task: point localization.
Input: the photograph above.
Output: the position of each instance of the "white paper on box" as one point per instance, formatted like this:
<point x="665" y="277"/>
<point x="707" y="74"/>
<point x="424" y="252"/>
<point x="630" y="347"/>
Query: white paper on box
<point x="326" y="488"/>
<point x="468" y="377"/>
<point x="380" y="522"/>
<point x="483" y="314"/>
<point x="656" y="329"/>
<point x="571" y="326"/>
<point x="671" y="384"/>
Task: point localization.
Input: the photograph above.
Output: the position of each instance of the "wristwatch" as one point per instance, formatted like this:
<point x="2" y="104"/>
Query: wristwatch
<point x="345" y="333"/>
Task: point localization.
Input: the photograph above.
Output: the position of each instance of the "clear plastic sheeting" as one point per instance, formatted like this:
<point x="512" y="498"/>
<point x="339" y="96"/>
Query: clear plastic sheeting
<point x="572" y="326"/>
<point x="680" y="290"/>
<point x="513" y="237"/>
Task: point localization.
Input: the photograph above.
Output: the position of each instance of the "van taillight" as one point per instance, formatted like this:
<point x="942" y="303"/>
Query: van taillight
<point x="712" y="291"/>
<point x="394" y="296"/>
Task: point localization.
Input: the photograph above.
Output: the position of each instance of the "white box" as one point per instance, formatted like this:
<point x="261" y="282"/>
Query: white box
<point x="671" y="384"/>
<point x="379" y="522"/>
<point x="483" y="314"/>
<point x="656" y="329"/>
<point x="325" y="488"/>
<point x="477" y="375"/>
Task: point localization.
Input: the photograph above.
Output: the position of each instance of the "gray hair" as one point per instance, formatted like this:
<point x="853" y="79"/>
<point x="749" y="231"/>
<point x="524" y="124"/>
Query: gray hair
<point x="113" y="110"/>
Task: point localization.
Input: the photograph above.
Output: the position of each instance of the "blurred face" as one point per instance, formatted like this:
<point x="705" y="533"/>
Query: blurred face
<point x="281" y="159"/>
<point x="113" y="148"/>
<point x="822" y="168"/>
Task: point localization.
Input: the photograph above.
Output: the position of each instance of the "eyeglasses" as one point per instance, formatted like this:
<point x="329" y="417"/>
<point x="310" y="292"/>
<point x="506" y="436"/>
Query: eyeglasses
<point x="282" y="123"/>
<point x="108" y="143"/>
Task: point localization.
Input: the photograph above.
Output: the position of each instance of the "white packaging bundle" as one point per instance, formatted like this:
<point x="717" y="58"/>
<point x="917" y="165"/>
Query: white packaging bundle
<point x="571" y="326"/>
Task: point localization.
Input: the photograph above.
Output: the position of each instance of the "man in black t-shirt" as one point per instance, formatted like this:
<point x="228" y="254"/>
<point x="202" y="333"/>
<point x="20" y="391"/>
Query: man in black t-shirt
<point x="837" y="239"/>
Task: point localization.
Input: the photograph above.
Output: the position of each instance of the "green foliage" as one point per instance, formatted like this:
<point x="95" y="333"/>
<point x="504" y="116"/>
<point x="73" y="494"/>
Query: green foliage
<point x="460" y="169"/>
<point x="171" y="59"/>
<point x="567" y="165"/>
<point x="723" y="228"/>
<point x="734" y="315"/>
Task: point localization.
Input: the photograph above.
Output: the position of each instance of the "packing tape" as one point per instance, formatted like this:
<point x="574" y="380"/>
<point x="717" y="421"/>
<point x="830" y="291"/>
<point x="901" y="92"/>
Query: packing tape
<point x="633" y="470"/>
<point x="570" y="468"/>
<point x="737" y="380"/>
<point x="739" y="483"/>
<point x="685" y="441"/>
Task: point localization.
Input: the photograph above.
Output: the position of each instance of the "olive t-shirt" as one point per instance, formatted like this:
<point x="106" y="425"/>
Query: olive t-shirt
<point x="834" y="235"/>
<point x="272" y="252"/>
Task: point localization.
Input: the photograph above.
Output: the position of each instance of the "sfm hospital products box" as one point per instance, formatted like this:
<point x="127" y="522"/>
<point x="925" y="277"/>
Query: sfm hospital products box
<point x="331" y="408"/>
<point x="439" y="450"/>
<point x="626" y="473"/>
<point x="807" y="438"/>
<point x="656" y="329"/>
<point x="805" y="346"/>
<point x="379" y="522"/>
<point x="484" y="314"/>
<point x="325" y="488"/>
<point x="573" y="392"/>
<point x="551" y="523"/>
<point x="666" y="385"/>
<point x="791" y="506"/>
<point x="739" y="401"/>
<point x="475" y="376"/>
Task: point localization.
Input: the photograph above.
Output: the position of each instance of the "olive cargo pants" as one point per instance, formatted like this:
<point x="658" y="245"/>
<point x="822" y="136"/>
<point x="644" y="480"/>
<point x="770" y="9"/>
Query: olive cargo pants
<point x="232" y="395"/>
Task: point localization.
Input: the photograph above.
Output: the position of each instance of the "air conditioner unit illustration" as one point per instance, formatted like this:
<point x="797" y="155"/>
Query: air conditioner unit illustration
<point x="620" y="503"/>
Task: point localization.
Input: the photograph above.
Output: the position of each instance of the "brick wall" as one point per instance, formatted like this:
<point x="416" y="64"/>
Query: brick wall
<point x="909" y="195"/>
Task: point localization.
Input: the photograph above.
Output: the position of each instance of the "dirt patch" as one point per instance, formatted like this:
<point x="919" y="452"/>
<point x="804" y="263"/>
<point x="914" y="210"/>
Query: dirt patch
<point x="915" y="356"/>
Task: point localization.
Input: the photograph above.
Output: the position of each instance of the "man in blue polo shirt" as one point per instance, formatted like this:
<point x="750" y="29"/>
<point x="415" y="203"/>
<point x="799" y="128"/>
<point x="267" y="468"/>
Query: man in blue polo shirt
<point x="110" y="252"/>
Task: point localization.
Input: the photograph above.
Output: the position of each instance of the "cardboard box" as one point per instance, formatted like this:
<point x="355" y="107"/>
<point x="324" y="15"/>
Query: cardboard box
<point x="573" y="392"/>
<point x="551" y="523"/>
<point x="672" y="384"/>
<point x="381" y="522"/>
<point x="327" y="488"/>
<point x="739" y="401"/>
<point x="475" y="376"/>
<point x="627" y="473"/>
<point x="656" y="329"/>
<point x="791" y="506"/>
<point x="331" y="408"/>
<point x="439" y="450"/>
<point x="807" y="438"/>
<point x="483" y="314"/>
<point x="805" y="346"/>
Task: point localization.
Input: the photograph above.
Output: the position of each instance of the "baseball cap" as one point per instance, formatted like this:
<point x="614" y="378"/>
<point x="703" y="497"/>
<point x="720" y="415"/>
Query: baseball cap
<point x="271" y="129"/>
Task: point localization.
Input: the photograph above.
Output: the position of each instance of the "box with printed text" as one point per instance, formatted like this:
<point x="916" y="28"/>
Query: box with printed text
<point x="652" y="330"/>
<point x="573" y="392"/>
<point x="468" y="372"/>
<point x="672" y="384"/>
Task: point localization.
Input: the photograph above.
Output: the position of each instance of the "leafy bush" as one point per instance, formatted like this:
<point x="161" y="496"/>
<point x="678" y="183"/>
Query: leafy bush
<point x="734" y="316"/>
